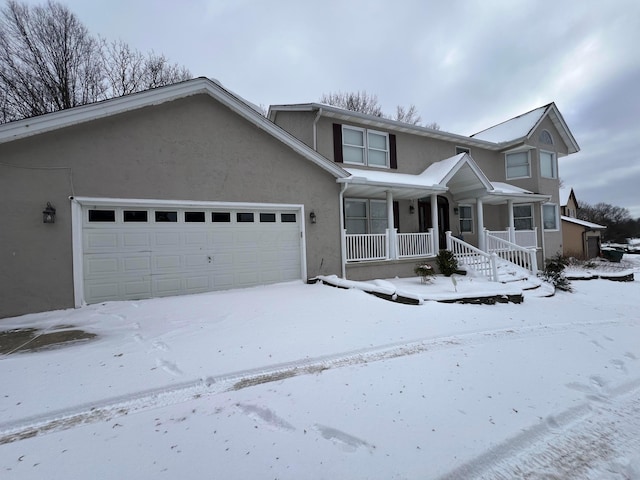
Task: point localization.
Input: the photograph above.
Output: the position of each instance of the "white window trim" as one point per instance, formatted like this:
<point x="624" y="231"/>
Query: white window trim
<point x="554" y="163"/>
<point x="557" y="227"/>
<point x="366" y="148"/>
<point x="530" y="210"/>
<point x="506" y="165"/>
<point x="367" y="202"/>
<point x="473" y="224"/>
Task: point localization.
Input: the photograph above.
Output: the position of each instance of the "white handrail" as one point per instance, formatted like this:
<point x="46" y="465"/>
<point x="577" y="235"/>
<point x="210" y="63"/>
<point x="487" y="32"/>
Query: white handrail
<point x="473" y="258"/>
<point x="521" y="256"/>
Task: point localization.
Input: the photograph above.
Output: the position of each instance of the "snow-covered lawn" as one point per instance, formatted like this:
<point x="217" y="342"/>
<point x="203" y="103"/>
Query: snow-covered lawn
<point x="308" y="381"/>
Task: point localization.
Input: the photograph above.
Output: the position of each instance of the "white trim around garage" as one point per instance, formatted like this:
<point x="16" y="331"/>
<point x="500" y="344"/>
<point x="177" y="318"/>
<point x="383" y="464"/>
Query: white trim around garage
<point x="77" y="215"/>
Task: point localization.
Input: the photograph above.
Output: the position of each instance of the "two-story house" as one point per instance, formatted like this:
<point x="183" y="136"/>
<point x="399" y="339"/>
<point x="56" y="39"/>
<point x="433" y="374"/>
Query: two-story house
<point x="188" y="188"/>
<point x="409" y="185"/>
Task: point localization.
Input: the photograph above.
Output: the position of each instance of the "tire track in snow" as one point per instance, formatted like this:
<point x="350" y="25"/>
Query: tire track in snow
<point x="591" y="441"/>
<point x="114" y="407"/>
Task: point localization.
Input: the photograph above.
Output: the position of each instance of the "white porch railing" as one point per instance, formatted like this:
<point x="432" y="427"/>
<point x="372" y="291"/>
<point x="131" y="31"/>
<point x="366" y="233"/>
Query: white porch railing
<point x="367" y="246"/>
<point x="522" y="238"/>
<point x="473" y="258"/>
<point x="376" y="246"/>
<point x="415" y="244"/>
<point x="522" y="256"/>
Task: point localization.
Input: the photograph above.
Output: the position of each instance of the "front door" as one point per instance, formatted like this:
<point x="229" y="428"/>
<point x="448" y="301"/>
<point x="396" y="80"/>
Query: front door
<point x="426" y="222"/>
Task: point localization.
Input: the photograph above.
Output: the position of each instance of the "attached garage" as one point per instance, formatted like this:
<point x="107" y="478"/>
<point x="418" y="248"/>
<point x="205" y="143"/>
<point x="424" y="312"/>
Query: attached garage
<point x="134" y="249"/>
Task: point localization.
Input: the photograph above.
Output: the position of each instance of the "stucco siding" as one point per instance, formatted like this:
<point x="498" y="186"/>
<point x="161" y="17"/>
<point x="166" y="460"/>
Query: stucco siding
<point x="189" y="149"/>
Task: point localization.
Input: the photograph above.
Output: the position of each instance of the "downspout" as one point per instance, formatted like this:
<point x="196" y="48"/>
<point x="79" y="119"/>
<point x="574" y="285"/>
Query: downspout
<point x="544" y="256"/>
<point x="343" y="246"/>
<point x="315" y="129"/>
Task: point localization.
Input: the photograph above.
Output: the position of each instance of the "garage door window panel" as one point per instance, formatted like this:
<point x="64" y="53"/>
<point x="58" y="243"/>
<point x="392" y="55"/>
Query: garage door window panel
<point x="137" y="216"/>
<point x="194" y="217"/>
<point x="102" y="215"/>
<point x="166" y="217"/>
<point x="288" y="217"/>
<point x="267" y="218"/>
<point x="221" y="217"/>
<point x="244" y="217"/>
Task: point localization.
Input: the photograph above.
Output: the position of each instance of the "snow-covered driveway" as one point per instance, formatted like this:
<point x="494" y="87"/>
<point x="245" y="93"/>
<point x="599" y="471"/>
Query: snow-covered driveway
<point x="308" y="381"/>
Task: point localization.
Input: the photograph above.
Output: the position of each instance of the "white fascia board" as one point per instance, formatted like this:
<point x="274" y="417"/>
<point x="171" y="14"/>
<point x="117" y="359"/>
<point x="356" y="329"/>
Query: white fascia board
<point x="383" y="123"/>
<point x="85" y="113"/>
<point x="72" y="116"/>
<point x="150" y="203"/>
<point x="521" y="197"/>
<point x="387" y="185"/>
<point x="468" y="160"/>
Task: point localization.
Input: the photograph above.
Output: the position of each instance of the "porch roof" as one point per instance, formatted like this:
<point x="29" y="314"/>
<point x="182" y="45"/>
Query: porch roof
<point x="459" y="175"/>
<point x="503" y="192"/>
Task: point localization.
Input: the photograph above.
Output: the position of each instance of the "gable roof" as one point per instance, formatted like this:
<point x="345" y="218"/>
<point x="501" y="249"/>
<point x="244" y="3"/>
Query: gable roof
<point x="340" y="114"/>
<point x="565" y="195"/>
<point x="583" y="223"/>
<point x="86" y="113"/>
<point x="522" y="127"/>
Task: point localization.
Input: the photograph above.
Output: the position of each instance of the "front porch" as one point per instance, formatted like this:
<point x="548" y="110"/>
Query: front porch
<point x="393" y="251"/>
<point x="399" y="219"/>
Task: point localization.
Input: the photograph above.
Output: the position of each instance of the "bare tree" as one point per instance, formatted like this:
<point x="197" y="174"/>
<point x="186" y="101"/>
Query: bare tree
<point x="47" y="60"/>
<point x="50" y="62"/>
<point x="363" y="102"/>
<point x="408" y="115"/>
<point x="359" y="101"/>
<point x="433" y="126"/>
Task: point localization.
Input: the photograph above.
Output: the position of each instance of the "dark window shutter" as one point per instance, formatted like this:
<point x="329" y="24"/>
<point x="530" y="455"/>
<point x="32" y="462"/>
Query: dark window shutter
<point x="396" y="215"/>
<point x="337" y="142"/>
<point x="393" y="158"/>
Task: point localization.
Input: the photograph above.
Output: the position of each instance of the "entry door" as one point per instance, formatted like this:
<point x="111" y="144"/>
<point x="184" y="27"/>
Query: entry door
<point x="426" y="222"/>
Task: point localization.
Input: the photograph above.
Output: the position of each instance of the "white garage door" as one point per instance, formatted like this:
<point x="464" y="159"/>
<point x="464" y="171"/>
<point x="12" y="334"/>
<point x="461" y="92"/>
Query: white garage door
<point x="133" y="252"/>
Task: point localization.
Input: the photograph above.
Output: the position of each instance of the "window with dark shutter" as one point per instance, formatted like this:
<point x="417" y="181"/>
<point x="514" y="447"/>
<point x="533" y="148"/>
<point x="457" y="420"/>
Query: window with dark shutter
<point x="393" y="158"/>
<point x="337" y="143"/>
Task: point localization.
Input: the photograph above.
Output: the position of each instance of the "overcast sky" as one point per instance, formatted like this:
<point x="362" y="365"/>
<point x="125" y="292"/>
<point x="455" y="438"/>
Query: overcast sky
<point x="466" y="65"/>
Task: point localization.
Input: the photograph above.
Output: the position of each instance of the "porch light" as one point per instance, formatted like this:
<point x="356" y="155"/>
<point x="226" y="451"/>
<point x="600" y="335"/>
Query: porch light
<point x="49" y="214"/>
<point x="312" y="216"/>
<point x="455" y="210"/>
<point x="412" y="209"/>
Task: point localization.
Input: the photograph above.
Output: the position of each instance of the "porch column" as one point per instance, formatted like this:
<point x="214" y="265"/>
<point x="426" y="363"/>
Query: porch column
<point x="392" y="232"/>
<point x="435" y="222"/>
<point x="512" y="227"/>
<point x="481" y="235"/>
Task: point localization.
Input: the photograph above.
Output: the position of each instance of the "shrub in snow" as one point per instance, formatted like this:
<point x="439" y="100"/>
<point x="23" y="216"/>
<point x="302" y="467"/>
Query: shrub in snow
<point x="447" y="263"/>
<point x="554" y="272"/>
<point x="425" y="272"/>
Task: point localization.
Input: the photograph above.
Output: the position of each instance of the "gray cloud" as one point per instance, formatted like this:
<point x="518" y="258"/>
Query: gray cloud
<point x="465" y="64"/>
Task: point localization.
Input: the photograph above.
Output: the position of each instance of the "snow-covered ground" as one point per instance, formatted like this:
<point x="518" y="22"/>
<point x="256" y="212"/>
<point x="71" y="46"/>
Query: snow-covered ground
<point x="298" y="381"/>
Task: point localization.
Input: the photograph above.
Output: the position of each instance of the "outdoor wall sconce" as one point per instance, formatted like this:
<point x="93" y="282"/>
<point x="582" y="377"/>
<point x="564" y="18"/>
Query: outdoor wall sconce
<point x="412" y="209"/>
<point x="455" y="210"/>
<point x="312" y="216"/>
<point x="49" y="214"/>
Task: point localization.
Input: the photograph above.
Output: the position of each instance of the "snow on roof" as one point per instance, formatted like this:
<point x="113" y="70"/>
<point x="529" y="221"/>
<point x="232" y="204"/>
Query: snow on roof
<point x="439" y="170"/>
<point x="583" y="223"/>
<point x="565" y="193"/>
<point x="499" y="187"/>
<point x="392" y="178"/>
<point x="518" y="127"/>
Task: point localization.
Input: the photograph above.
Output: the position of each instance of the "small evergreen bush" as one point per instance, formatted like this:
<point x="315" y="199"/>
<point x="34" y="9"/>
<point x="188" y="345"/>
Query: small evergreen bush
<point x="554" y="272"/>
<point x="447" y="263"/>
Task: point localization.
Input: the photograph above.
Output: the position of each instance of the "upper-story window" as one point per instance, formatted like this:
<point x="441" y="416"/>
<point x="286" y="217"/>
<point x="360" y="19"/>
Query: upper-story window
<point x="545" y="137"/>
<point x="518" y="165"/>
<point x="365" y="147"/>
<point x="548" y="164"/>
